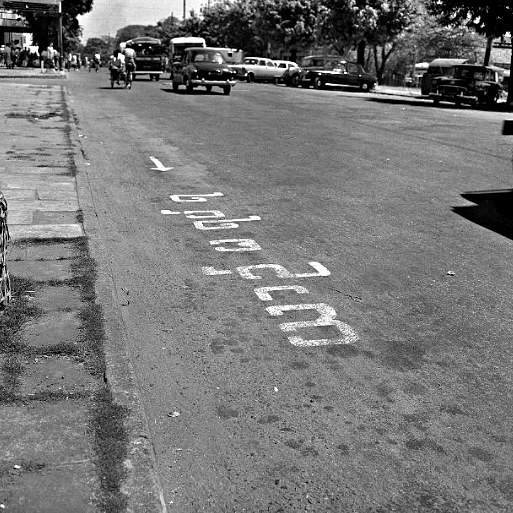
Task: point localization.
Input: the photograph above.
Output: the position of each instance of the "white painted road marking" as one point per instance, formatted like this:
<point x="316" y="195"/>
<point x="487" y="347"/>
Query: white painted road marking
<point x="326" y="318"/>
<point x="160" y="166"/>
<point x="263" y="292"/>
<point x="243" y="245"/>
<point x="192" y="198"/>
<point x="225" y="224"/>
<point x="215" y="220"/>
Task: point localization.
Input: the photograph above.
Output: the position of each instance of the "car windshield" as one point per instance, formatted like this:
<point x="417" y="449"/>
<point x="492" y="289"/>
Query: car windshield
<point x="212" y="57"/>
<point x="469" y="73"/>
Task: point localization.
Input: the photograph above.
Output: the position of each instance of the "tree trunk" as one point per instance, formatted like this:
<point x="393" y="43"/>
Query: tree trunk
<point x="360" y="53"/>
<point x="488" y="52"/>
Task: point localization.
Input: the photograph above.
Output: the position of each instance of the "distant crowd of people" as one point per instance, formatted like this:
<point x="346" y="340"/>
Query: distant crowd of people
<point x="13" y="55"/>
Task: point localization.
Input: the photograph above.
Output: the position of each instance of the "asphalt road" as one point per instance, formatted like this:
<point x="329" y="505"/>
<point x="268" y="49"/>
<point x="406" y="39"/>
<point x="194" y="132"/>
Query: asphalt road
<point x="316" y="294"/>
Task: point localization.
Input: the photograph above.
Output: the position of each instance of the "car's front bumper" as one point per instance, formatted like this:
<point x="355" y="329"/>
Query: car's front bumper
<point x="207" y="82"/>
<point x="452" y="97"/>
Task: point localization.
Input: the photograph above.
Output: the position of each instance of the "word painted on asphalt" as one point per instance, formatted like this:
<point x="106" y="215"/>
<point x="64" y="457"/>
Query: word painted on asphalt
<point x="246" y="271"/>
<point x="205" y="220"/>
<point x="158" y="165"/>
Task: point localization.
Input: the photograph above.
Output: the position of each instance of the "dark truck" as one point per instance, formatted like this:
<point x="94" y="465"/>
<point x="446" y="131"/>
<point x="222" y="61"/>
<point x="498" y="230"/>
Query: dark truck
<point x="467" y="83"/>
<point x="150" y="58"/>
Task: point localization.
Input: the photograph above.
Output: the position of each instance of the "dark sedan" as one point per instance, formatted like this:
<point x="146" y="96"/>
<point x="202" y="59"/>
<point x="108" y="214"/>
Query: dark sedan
<point x="320" y="71"/>
<point x="203" y="67"/>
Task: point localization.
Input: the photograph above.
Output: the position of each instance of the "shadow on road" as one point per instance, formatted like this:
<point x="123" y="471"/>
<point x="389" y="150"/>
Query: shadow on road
<point x="492" y="210"/>
<point x="200" y="92"/>
<point x="425" y="102"/>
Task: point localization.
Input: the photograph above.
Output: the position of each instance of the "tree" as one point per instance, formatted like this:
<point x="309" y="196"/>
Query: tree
<point x="103" y="45"/>
<point x="359" y="23"/>
<point x="231" y="24"/>
<point x="289" y="24"/>
<point x="45" y="27"/>
<point x="492" y="18"/>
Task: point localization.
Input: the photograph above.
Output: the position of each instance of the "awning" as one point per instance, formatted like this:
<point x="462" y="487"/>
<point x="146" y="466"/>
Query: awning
<point x="32" y="6"/>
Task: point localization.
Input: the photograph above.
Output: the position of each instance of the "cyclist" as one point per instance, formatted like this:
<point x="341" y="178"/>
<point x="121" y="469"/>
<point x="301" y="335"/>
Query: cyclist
<point x="130" y="66"/>
<point x="116" y="67"/>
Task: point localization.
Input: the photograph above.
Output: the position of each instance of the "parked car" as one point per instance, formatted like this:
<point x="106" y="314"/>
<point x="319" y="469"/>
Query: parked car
<point x="286" y="67"/>
<point x="468" y="83"/>
<point x="437" y="68"/>
<point x="258" y="68"/>
<point x="322" y="70"/>
<point x="203" y="67"/>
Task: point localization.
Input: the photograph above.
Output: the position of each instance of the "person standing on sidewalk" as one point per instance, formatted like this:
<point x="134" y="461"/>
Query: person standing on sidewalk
<point x="51" y="53"/>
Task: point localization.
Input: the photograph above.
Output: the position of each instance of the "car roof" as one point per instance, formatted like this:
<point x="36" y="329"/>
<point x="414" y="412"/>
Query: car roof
<point x="339" y="57"/>
<point x="448" y="62"/>
<point x="201" y="49"/>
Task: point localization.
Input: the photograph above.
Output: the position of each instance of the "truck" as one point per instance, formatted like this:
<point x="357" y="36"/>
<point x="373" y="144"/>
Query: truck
<point x="150" y="56"/>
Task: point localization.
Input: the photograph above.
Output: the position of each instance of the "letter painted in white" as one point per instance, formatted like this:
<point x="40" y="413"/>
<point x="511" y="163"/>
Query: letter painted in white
<point x="280" y="271"/>
<point x="211" y="271"/>
<point x="321" y="271"/>
<point x="243" y="245"/>
<point x="204" y="214"/>
<point x="263" y="292"/>
<point x="326" y="318"/>
<point x="192" y="198"/>
<point x="225" y="224"/>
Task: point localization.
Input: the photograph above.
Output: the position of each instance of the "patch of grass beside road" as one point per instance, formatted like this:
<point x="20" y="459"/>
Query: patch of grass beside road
<point x="109" y="438"/>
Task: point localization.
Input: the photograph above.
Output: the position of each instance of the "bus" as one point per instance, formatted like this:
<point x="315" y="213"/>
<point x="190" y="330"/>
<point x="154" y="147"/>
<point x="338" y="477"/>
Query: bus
<point x="150" y="56"/>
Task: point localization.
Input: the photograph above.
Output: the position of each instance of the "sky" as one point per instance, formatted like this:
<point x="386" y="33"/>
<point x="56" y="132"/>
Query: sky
<point x="108" y="16"/>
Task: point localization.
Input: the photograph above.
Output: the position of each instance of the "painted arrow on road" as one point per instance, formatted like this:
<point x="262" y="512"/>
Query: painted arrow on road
<point x="160" y="166"/>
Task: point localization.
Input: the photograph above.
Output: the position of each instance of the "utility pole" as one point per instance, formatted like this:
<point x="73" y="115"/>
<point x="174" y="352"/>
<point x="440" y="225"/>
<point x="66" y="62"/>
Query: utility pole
<point x="184" y="8"/>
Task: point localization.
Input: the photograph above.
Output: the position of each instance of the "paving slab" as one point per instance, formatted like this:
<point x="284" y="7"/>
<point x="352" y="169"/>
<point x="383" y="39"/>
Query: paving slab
<point x="46" y="458"/>
<point x="54" y="327"/>
<point x="42" y="232"/>
<point x="41" y="270"/>
<point x="60" y="297"/>
<point x="55" y="374"/>
<point x="30" y="251"/>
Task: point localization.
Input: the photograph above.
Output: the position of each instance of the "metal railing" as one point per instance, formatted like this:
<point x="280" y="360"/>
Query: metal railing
<point x="5" y="282"/>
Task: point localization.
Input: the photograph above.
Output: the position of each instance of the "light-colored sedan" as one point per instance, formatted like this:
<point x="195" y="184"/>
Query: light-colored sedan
<point x="258" y="68"/>
<point x="286" y="68"/>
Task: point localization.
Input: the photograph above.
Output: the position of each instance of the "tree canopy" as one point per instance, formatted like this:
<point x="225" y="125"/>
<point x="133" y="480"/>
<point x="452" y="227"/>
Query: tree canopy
<point x="45" y="28"/>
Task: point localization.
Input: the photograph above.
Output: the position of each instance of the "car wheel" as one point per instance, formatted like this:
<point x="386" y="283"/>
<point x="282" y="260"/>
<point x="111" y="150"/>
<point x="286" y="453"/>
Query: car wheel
<point x="318" y="83"/>
<point x="175" y="86"/>
<point x="275" y="80"/>
<point x="251" y="77"/>
<point x="208" y="88"/>
<point x="294" y="81"/>
<point x="227" y="89"/>
<point x="436" y="101"/>
<point x="364" y="87"/>
<point x="134" y="76"/>
<point x="157" y="78"/>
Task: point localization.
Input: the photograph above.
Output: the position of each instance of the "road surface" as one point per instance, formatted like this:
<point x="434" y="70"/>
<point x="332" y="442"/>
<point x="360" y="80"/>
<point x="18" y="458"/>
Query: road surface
<point x="315" y="288"/>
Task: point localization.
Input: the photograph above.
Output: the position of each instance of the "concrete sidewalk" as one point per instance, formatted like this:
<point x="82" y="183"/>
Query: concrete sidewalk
<point x="24" y="73"/>
<point x="73" y="436"/>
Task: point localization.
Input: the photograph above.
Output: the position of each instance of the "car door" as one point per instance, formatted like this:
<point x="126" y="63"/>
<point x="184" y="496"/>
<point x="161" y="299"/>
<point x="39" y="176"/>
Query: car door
<point x="271" y="70"/>
<point x="353" y="74"/>
<point x="337" y="73"/>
